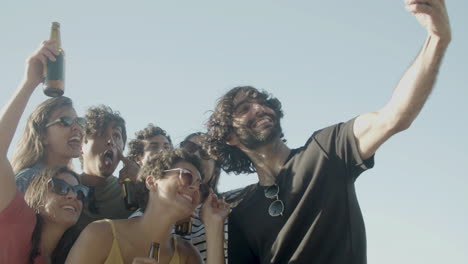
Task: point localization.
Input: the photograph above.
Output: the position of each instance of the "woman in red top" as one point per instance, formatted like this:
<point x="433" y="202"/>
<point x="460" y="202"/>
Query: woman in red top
<point x="31" y="228"/>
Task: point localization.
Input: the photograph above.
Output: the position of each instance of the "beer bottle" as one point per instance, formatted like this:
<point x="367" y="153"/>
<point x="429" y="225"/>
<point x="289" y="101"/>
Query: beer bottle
<point x="183" y="227"/>
<point x="54" y="72"/>
<point x="129" y="194"/>
<point x="154" y="251"/>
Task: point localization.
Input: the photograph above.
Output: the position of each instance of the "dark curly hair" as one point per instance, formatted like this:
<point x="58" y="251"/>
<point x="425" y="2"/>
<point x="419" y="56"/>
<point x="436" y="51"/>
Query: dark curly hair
<point x="213" y="182"/>
<point x="155" y="166"/>
<point x="136" y="147"/>
<point x="220" y="126"/>
<point x="99" y="117"/>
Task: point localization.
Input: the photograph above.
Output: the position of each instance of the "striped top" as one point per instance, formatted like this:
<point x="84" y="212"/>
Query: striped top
<point x="198" y="235"/>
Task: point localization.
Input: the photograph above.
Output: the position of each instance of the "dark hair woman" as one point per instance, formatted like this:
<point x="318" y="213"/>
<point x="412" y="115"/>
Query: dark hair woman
<point x="53" y="132"/>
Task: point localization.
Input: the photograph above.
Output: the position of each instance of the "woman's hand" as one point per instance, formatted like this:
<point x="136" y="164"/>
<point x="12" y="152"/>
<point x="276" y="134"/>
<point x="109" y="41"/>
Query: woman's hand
<point x="214" y="210"/>
<point x="35" y="64"/>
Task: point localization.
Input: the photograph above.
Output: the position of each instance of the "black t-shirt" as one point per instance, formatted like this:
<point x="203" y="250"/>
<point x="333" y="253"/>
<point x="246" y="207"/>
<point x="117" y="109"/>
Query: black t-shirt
<point x="322" y="222"/>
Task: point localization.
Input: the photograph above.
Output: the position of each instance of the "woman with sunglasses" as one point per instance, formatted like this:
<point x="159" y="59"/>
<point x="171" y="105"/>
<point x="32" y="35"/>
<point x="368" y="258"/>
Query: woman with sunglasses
<point x="196" y="231"/>
<point x="33" y="227"/>
<point x="193" y="143"/>
<point x="171" y="190"/>
<point x="53" y="132"/>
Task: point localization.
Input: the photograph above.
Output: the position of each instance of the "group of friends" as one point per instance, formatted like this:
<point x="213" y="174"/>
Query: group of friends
<point x="302" y="210"/>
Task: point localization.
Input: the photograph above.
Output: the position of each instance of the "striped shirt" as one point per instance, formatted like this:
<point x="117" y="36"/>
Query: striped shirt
<point x="198" y="235"/>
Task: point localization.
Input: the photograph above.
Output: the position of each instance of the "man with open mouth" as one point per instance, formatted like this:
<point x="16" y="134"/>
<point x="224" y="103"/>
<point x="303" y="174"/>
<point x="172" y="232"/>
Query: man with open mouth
<point x="103" y="143"/>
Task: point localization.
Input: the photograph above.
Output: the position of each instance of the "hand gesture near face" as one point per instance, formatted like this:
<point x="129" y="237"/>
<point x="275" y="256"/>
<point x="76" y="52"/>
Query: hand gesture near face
<point x="432" y="15"/>
<point x="35" y="63"/>
<point x="214" y="210"/>
<point x="130" y="168"/>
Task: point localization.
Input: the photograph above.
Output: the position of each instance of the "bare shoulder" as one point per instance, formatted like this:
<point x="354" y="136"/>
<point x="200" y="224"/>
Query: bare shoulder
<point x="99" y="230"/>
<point x="188" y="252"/>
<point x="93" y="244"/>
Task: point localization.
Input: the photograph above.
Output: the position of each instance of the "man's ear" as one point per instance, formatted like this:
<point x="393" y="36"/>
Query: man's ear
<point x="151" y="182"/>
<point x="232" y="139"/>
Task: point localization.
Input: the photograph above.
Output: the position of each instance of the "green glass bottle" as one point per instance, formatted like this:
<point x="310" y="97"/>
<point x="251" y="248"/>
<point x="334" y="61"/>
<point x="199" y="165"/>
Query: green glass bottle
<point x="54" y="72"/>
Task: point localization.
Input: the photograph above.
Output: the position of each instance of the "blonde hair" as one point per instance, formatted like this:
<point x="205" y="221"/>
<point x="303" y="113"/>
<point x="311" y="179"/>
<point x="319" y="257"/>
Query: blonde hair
<point x="30" y="148"/>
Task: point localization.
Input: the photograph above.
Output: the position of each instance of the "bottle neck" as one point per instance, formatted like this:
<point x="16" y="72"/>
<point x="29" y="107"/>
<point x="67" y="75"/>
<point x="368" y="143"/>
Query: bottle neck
<point x="55" y="35"/>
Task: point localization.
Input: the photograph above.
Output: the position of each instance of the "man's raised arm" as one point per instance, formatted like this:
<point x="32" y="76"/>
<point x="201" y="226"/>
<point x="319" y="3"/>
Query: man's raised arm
<point x="373" y="129"/>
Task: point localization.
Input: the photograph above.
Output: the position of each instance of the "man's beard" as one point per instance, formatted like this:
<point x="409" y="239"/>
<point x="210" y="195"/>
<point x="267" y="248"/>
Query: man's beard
<point x="253" y="140"/>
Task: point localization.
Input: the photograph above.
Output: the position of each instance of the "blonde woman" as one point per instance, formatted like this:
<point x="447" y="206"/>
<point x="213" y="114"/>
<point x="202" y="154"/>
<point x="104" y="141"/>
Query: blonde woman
<point x="53" y="132"/>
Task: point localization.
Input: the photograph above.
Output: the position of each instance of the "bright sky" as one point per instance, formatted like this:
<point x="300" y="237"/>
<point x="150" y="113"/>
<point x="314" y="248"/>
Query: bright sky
<point x="167" y="62"/>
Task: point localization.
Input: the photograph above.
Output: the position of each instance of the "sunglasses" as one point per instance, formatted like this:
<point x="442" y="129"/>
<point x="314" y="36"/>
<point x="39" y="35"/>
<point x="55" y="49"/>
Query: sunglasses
<point x="193" y="148"/>
<point x="188" y="179"/>
<point x="62" y="187"/>
<point x="276" y="208"/>
<point x="67" y="121"/>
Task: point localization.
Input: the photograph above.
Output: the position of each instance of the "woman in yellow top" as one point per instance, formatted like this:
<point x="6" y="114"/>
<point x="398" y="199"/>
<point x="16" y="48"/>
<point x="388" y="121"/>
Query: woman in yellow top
<point x="171" y="192"/>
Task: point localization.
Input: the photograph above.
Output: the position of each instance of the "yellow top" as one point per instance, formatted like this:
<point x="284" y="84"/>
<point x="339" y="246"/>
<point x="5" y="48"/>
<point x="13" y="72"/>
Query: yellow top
<point x="115" y="256"/>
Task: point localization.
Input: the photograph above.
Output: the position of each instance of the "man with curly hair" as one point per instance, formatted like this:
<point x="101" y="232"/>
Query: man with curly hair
<point x="152" y="139"/>
<point x="304" y="208"/>
<point x="103" y="144"/>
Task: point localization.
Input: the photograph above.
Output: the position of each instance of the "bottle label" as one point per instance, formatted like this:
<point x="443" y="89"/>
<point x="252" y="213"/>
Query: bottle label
<point x="55" y="69"/>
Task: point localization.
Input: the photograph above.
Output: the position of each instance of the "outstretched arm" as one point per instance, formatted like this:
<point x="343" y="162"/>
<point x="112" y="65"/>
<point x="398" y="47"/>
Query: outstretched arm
<point x="11" y="114"/>
<point x="373" y="129"/>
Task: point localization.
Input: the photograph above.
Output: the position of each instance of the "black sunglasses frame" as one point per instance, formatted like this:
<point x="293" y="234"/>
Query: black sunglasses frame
<point x="62" y="187"/>
<point x="276" y="207"/>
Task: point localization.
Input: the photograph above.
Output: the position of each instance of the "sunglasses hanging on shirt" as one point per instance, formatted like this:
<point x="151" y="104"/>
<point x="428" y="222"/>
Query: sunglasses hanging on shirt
<point x="276" y="208"/>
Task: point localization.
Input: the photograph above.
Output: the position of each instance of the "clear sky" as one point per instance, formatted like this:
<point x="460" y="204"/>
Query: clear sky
<point x="167" y="62"/>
